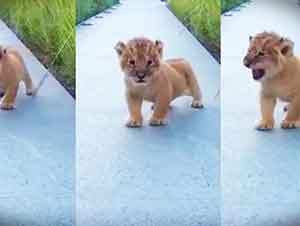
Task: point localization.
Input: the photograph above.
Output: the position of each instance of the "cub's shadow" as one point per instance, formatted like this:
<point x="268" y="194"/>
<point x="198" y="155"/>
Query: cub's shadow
<point x="183" y="122"/>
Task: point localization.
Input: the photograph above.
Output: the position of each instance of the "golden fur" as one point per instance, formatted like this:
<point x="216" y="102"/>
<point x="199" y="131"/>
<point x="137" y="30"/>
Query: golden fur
<point x="273" y="63"/>
<point x="149" y="77"/>
<point x="12" y="72"/>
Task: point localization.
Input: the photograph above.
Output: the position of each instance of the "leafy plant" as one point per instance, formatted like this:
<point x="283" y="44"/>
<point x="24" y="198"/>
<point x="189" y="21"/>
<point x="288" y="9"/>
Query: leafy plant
<point x="202" y="17"/>
<point x="87" y="8"/>
<point x="229" y="4"/>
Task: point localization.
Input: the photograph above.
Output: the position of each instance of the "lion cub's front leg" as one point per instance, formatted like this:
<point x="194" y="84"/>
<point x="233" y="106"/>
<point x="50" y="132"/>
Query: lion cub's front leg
<point x="9" y="99"/>
<point x="161" y="108"/>
<point x="293" y="114"/>
<point x="267" y="105"/>
<point x="135" y="110"/>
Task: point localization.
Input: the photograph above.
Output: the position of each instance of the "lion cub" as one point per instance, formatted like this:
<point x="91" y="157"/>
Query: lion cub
<point x="12" y="72"/>
<point x="149" y="77"/>
<point x="272" y="61"/>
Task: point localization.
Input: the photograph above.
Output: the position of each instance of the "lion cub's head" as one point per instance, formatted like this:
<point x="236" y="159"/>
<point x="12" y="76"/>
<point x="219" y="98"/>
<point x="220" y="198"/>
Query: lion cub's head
<point x="140" y="58"/>
<point x="266" y="55"/>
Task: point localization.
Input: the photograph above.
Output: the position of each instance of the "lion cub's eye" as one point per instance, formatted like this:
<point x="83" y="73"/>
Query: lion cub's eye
<point x="149" y="62"/>
<point x="132" y="62"/>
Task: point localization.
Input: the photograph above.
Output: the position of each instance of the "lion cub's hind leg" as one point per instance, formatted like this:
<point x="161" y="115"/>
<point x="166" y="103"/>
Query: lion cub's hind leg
<point x="28" y="81"/>
<point x="194" y="87"/>
<point x="29" y="86"/>
<point x="9" y="99"/>
<point x="293" y="115"/>
<point x="23" y="72"/>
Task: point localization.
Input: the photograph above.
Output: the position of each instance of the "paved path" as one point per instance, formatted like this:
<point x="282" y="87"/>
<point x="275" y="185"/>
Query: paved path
<point x="151" y="176"/>
<point x="37" y="152"/>
<point x="260" y="170"/>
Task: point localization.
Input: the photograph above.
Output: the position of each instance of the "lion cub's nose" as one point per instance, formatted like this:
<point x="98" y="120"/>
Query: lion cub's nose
<point x="141" y="75"/>
<point x="247" y="61"/>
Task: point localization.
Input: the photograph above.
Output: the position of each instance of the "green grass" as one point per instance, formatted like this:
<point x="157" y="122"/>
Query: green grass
<point x="202" y="17"/>
<point x="87" y="8"/>
<point x="229" y="4"/>
<point x="48" y="28"/>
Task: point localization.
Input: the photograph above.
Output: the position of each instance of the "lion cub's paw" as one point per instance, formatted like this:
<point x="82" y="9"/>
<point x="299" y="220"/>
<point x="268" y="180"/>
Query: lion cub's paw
<point x="197" y="104"/>
<point x="157" y="122"/>
<point x="265" y="125"/>
<point x="30" y="92"/>
<point x="7" y="106"/>
<point x="288" y="125"/>
<point x="133" y="123"/>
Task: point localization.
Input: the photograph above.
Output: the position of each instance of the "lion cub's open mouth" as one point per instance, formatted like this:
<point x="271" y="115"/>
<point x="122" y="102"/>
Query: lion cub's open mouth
<point x="258" y="74"/>
<point x="141" y="81"/>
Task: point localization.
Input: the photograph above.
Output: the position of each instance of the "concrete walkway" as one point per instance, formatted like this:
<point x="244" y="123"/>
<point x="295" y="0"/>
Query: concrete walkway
<point x="150" y="176"/>
<point x="260" y="170"/>
<point x="37" y="143"/>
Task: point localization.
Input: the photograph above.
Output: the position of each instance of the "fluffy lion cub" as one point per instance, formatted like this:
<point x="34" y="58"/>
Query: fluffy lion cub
<point x="149" y="77"/>
<point x="272" y="61"/>
<point x="12" y="72"/>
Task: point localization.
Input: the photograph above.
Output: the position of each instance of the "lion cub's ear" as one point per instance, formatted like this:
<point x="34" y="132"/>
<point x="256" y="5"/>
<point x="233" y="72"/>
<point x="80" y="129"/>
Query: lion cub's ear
<point x="120" y="47"/>
<point x="286" y="47"/>
<point x="159" y="45"/>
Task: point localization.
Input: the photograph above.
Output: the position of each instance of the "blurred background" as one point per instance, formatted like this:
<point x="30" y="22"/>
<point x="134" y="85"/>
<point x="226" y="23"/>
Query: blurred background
<point x="230" y="4"/>
<point x="88" y="8"/>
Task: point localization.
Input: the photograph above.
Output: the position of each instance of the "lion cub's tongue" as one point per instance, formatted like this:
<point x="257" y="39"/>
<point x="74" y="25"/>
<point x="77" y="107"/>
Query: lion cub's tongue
<point x="258" y="73"/>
